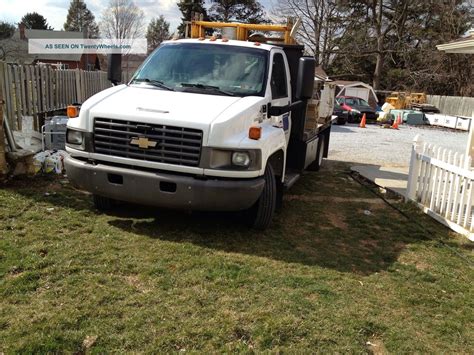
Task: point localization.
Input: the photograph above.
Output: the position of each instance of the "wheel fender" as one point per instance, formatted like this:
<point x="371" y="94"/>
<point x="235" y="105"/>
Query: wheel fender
<point x="278" y="161"/>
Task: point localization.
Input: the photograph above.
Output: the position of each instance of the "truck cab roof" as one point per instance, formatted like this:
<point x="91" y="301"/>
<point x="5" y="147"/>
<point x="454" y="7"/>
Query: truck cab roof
<point x="233" y="43"/>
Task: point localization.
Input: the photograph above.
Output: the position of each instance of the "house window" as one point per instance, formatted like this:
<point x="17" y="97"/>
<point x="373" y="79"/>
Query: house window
<point x="90" y="67"/>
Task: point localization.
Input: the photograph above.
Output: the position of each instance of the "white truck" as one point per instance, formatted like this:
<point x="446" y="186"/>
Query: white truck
<point x="204" y="124"/>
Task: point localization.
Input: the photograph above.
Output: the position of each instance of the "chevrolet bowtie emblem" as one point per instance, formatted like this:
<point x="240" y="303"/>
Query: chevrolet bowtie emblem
<point x="143" y="142"/>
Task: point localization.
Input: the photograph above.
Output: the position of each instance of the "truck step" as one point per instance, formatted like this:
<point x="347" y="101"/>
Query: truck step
<point x="290" y="179"/>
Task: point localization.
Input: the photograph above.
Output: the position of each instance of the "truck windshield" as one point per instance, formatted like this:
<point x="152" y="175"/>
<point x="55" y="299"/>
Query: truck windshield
<point x="206" y="68"/>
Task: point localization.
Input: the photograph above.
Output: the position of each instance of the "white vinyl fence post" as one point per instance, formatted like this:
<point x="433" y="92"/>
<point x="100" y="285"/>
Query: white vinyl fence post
<point x="470" y="140"/>
<point x="414" y="169"/>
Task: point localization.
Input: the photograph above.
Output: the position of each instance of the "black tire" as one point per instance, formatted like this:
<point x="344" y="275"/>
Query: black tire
<point x="102" y="203"/>
<point x="261" y="214"/>
<point x="341" y="121"/>
<point x="316" y="164"/>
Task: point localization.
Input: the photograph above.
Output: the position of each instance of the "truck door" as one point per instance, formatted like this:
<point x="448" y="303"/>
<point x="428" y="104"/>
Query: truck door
<point x="280" y="91"/>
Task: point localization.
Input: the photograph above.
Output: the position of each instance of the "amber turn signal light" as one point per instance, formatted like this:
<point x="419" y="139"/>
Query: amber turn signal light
<point x="255" y="132"/>
<point x="72" y="111"/>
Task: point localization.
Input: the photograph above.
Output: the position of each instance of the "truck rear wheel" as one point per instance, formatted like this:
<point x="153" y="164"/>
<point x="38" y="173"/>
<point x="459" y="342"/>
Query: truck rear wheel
<point x="261" y="214"/>
<point x="103" y="203"/>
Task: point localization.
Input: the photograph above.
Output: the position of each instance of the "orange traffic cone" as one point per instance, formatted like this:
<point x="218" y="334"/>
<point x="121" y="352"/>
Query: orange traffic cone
<point x="363" y="121"/>
<point x="395" y="124"/>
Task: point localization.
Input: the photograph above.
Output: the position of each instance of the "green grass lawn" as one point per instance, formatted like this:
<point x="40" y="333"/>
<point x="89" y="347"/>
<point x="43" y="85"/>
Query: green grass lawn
<point x="326" y="277"/>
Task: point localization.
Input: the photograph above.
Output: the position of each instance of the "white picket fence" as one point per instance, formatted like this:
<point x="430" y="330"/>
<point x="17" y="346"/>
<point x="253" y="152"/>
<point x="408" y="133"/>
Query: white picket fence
<point x="441" y="182"/>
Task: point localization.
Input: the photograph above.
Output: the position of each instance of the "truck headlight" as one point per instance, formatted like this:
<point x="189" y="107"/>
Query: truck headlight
<point x="356" y="112"/>
<point x="74" y="137"/>
<point x="241" y="159"/>
<point x="230" y="159"/>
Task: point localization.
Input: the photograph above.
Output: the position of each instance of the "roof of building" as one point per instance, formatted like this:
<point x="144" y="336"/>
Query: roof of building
<point x="351" y="83"/>
<point x="463" y="45"/>
<point x="320" y="73"/>
<point x="342" y="84"/>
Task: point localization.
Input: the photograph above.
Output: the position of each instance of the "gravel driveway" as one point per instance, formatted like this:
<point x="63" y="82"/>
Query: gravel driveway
<point x="387" y="147"/>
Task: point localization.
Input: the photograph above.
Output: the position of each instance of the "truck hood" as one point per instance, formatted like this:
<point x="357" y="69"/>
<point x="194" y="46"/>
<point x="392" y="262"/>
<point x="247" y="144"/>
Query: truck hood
<point x="151" y="105"/>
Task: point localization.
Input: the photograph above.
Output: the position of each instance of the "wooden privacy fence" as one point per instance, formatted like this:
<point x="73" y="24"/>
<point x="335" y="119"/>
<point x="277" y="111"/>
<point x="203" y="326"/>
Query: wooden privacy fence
<point x="441" y="182"/>
<point x="34" y="90"/>
<point x="453" y="105"/>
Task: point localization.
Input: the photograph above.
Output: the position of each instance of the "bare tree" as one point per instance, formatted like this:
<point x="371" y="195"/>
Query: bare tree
<point x="320" y="25"/>
<point x="122" y="19"/>
<point x="386" y="19"/>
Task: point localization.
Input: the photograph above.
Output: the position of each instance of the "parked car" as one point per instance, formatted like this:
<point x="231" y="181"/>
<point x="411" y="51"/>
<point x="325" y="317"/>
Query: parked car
<point x="356" y="108"/>
<point x="341" y="114"/>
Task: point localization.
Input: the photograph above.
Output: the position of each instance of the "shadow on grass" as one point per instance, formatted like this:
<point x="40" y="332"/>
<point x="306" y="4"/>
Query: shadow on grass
<point x="326" y="221"/>
<point x="363" y="247"/>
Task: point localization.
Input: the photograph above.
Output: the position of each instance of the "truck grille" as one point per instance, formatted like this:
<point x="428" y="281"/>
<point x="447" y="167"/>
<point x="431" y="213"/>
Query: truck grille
<point x="159" y="143"/>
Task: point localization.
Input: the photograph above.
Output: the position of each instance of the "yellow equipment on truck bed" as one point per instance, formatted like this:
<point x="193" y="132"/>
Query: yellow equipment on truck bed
<point x="241" y="31"/>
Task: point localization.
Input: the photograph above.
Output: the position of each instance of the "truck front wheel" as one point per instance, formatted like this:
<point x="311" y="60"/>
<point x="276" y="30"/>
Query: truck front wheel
<point x="261" y="214"/>
<point x="102" y="203"/>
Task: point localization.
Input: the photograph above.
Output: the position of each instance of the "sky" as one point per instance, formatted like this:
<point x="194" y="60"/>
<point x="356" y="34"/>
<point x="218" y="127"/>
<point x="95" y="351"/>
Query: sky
<point x="55" y="11"/>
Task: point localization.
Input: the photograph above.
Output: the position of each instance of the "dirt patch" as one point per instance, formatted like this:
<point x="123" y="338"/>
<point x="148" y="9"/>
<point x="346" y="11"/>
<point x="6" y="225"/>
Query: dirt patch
<point x="422" y="266"/>
<point x="376" y="347"/>
<point x="337" y="220"/>
<point x="135" y="282"/>
<point x="14" y="275"/>
<point x="370" y="243"/>
<point x="419" y="265"/>
<point x="89" y="341"/>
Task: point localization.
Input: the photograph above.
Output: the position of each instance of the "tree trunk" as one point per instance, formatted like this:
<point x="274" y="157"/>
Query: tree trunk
<point x="378" y="64"/>
<point x="378" y="16"/>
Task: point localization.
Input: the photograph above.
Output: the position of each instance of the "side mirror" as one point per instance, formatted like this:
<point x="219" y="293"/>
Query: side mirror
<point x="114" y="68"/>
<point x="305" y="78"/>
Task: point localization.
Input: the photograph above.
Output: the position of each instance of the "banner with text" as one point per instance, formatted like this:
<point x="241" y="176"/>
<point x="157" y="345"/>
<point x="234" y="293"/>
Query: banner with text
<point x="87" y="46"/>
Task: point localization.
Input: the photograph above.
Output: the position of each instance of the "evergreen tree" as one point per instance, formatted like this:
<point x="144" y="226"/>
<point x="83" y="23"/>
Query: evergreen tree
<point x="187" y="8"/>
<point x="157" y="32"/>
<point x="248" y="11"/>
<point x="35" y="21"/>
<point x="80" y="18"/>
<point x="6" y="29"/>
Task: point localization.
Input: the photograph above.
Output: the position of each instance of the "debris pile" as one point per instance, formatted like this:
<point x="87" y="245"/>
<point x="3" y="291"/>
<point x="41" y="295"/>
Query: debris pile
<point x="49" y="161"/>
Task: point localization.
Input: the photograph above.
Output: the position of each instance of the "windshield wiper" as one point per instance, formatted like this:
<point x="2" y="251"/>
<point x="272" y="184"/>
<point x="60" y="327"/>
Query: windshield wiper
<point x="157" y="83"/>
<point x="207" y="87"/>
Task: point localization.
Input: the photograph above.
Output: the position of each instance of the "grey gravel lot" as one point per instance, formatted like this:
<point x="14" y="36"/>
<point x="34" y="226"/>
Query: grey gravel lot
<point x="387" y="147"/>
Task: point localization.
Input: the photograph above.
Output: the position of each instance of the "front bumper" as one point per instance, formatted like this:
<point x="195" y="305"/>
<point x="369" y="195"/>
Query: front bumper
<point x="163" y="189"/>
